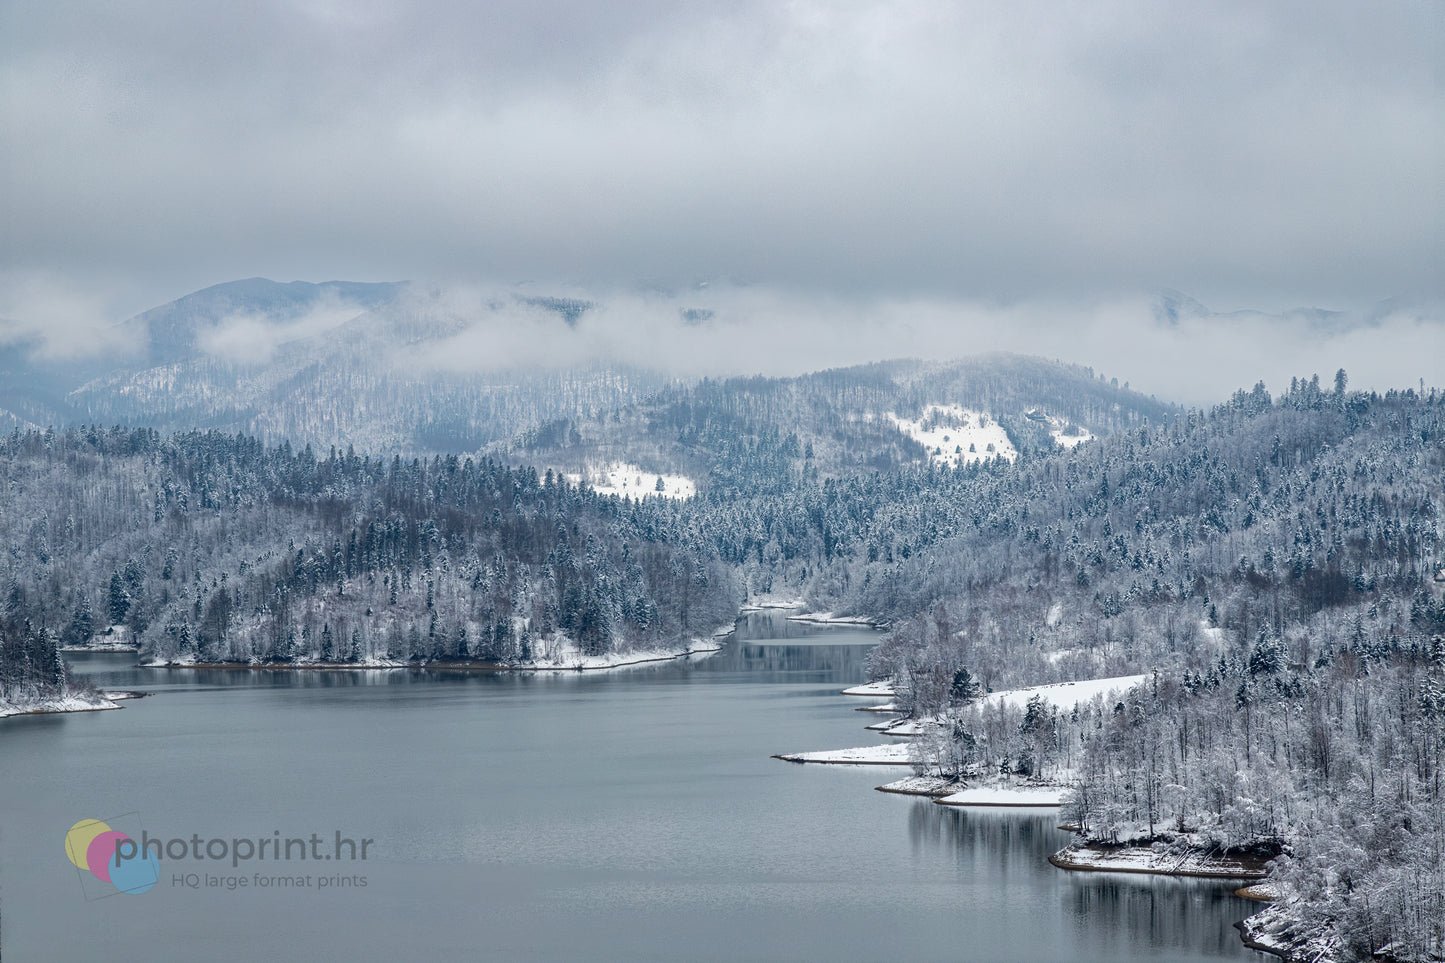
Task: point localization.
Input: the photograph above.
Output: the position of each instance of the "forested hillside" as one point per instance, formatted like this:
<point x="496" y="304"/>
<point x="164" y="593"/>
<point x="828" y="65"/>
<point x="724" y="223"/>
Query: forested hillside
<point x="210" y="547"/>
<point x="1272" y="565"/>
<point x="338" y="363"/>
<point x="752" y="435"/>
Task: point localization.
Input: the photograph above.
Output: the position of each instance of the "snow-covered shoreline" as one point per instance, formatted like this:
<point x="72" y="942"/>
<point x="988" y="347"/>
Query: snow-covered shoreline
<point x="560" y="656"/>
<point x="887" y="755"/>
<point x="768" y="603"/>
<point x="828" y="618"/>
<point x="877" y="690"/>
<point x="1092" y="857"/>
<point x="48" y="706"/>
<point x="1022" y="794"/>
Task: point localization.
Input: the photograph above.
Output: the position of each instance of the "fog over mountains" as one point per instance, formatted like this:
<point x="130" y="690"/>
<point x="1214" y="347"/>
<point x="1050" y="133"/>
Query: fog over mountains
<point x="403" y="367"/>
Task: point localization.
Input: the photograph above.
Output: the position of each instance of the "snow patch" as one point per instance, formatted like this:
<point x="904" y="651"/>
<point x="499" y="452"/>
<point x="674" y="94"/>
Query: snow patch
<point x="828" y="618"/>
<point x="624" y="479"/>
<point x="955" y="435"/>
<point x="1007" y="794"/>
<point x="890" y="755"/>
<point x="883" y="687"/>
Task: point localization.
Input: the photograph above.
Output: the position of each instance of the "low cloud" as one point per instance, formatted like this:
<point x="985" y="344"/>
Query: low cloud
<point x="1199" y="360"/>
<point x="256" y="338"/>
<point x="58" y="319"/>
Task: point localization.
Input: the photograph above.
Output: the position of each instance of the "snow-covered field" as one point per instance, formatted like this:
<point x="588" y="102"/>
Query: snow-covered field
<point x="891" y="755"/>
<point x="1066" y="695"/>
<point x="621" y="478"/>
<point x="955" y="435"/>
<point x="1061" y="695"/>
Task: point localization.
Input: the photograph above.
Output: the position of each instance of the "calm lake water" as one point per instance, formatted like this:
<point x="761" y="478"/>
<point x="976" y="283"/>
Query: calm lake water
<point x="631" y="815"/>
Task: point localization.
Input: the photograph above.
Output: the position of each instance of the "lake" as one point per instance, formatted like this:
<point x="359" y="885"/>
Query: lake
<point x="628" y="815"/>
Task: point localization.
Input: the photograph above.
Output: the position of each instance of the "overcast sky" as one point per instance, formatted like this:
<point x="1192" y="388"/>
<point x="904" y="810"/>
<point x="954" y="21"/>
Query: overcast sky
<point x="1252" y="154"/>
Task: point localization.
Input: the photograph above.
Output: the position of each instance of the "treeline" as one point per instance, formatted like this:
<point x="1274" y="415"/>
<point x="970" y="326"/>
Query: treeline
<point x="213" y="547"/>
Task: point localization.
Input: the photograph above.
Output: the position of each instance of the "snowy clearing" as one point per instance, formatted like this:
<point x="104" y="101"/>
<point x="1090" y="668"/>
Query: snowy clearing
<point x="621" y="478"/>
<point x="1061" y="695"/>
<point x="1066" y="695"/>
<point x="955" y="435"/>
<point x="892" y="755"/>
<point x="1064" y="432"/>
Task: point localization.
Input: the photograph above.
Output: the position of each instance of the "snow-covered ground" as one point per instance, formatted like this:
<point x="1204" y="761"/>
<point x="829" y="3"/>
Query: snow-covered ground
<point x="955" y="435"/>
<point x="1066" y="695"/>
<point x="828" y="618"/>
<point x="117" y="638"/>
<point x="923" y="786"/>
<point x="564" y="654"/>
<point x="58" y="704"/>
<point x="759" y="603"/>
<point x="573" y="660"/>
<point x="1142" y="859"/>
<point x="1006" y="794"/>
<point x="1066" y="433"/>
<point x="883" y="687"/>
<point x="890" y="755"/>
<point x="621" y="478"/>
<point x="1061" y="695"/>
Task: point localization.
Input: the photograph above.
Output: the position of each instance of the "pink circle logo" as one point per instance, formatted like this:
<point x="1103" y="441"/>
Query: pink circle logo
<point x="111" y="857"/>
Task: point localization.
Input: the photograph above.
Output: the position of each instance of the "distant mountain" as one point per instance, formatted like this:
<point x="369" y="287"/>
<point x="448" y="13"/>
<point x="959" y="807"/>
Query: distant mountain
<point x="878" y="417"/>
<point x="337" y="363"/>
<point x="1175" y="309"/>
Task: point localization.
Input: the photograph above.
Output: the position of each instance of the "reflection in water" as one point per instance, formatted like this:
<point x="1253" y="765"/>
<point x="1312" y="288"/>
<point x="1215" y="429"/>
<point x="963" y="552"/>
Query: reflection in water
<point x="762" y="649"/>
<point x="1169" y="911"/>
<point x="1159" y="911"/>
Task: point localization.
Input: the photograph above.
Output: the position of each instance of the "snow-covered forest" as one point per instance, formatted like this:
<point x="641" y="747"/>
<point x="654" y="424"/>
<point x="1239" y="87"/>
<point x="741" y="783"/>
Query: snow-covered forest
<point x="1270" y="564"/>
<point x="210" y="547"/>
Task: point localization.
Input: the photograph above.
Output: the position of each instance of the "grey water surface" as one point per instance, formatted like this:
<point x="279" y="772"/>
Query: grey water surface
<point x="624" y="815"/>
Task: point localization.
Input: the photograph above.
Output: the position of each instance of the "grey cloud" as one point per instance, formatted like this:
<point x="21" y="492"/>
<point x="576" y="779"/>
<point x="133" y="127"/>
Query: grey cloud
<point x="991" y="153"/>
